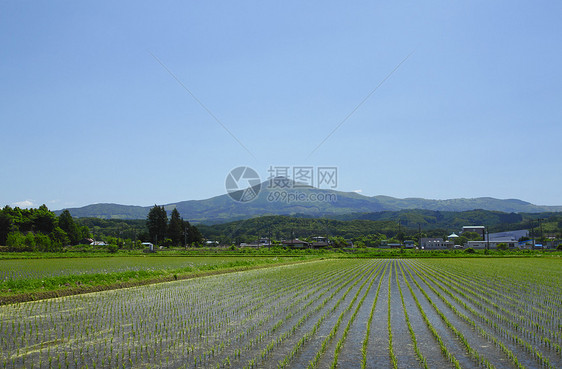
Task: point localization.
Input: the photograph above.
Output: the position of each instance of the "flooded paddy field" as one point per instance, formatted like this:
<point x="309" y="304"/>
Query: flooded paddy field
<point x="346" y="313"/>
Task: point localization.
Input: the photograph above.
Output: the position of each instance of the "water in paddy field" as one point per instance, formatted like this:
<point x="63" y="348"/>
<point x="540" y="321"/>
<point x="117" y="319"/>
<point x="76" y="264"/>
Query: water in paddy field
<point x="351" y="353"/>
<point x="296" y="315"/>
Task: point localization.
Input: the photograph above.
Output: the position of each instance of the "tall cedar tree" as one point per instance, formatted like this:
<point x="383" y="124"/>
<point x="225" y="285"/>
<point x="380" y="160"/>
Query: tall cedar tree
<point x="5" y="227"/>
<point x="175" y="229"/>
<point x="193" y="234"/>
<point x="66" y="223"/>
<point x="157" y="224"/>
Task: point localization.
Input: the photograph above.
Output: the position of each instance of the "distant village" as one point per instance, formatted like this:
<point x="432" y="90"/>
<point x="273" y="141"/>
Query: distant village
<point x="518" y="239"/>
<point x="509" y="240"/>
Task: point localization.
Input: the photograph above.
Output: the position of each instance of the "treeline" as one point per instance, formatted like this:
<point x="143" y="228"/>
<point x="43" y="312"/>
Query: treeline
<point x="431" y="219"/>
<point x="279" y="227"/>
<point x="38" y="229"/>
<point x="105" y="229"/>
<point x="42" y="230"/>
<point x="173" y="232"/>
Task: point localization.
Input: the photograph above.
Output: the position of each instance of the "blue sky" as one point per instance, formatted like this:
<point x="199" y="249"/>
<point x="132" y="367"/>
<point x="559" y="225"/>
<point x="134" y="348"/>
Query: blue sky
<point x="88" y="115"/>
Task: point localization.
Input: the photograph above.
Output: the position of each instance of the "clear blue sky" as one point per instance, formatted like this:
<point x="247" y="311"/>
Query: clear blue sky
<point x="88" y="115"/>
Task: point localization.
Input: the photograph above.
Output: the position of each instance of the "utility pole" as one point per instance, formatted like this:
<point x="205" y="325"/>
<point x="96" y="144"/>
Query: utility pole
<point x="540" y="227"/>
<point x="533" y="233"/>
<point x="269" y="237"/>
<point x="419" y="235"/>
<point x="487" y="239"/>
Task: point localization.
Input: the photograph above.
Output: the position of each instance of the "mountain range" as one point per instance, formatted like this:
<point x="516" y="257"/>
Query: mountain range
<point x="270" y="201"/>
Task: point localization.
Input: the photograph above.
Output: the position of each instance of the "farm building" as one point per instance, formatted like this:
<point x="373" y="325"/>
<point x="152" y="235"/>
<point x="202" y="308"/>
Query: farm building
<point x="251" y="244"/>
<point x="435" y="244"/>
<point x="481" y="230"/>
<point x="493" y="244"/>
<point x="509" y="235"/>
<point x="319" y="245"/>
<point x="409" y="244"/>
<point x="296" y="243"/>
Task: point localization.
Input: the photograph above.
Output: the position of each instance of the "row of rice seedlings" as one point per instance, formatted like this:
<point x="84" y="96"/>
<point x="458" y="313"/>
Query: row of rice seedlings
<point x="210" y="350"/>
<point x="274" y="310"/>
<point x="444" y="350"/>
<point x="539" y="286"/>
<point x="209" y="353"/>
<point x="525" y="345"/>
<point x="391" y="354"/>
<point x="420" y="356"/>
<point x="314" y="362"/>
<point x="541" y="327"/>
<point x="365" y="342"/>
<point x="289" y="332"/>
<point x="538" y="312"/>
<point x="239" y="351"/>
<point x="506" y="317"/>
<point x="279" y="306"/>
<point x="86" y="329"/>
<point x="540" y="315"/>
<point x="307" y="336"/>
<point x="291" y="312"/>
<point x="341" y="341"/>
<point x="473" y="352"/>
<point x="511" y="356"/>
<point x="534" y="332"/>
<point x="158" y="332"/>
<point x="285" y="303"/>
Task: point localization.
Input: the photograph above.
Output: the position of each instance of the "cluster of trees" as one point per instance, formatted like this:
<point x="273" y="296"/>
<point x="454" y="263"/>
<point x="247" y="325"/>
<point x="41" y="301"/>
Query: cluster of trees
<point x="175" y="232"/>
<point x="38" y="229"/>
<point x="42" y="230"/>
<point x="108" y="229"/>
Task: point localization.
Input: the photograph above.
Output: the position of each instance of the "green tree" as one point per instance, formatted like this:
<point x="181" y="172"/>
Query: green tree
<point x="15" y="241"/>
<point x="59" y="238"/>
<point x="472" y="236"/>
<point x="461" y="240"/>
<point x="85" y="232"/>
<point x="66" y="223"/>
<point x="5" y="227"/>
<point x="157" y="223"/>
<point x="29" y="241"/>
<point x="44" y="220"/>
<point x="502" y="246"/>
<point x="193" y="234"/>
<point x="42" y="242"/>
<point x="175" y="228"/>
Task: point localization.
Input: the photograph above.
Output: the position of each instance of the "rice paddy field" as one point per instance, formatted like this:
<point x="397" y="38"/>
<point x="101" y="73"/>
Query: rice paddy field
<point x="346" y="313"/>
<point x="18" y="269"/>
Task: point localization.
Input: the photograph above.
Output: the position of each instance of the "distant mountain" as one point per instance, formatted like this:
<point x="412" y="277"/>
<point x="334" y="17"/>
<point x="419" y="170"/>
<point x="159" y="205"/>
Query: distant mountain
<point x="222" y="208"/>
<point x="485" y="203"/>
